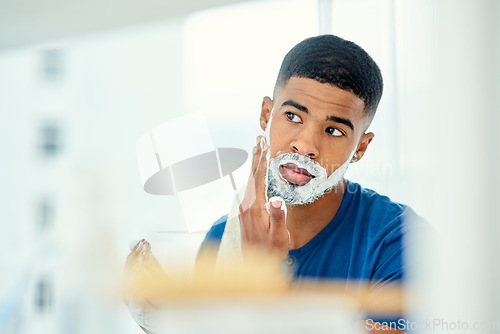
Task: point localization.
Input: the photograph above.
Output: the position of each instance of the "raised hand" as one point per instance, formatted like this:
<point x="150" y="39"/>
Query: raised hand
<point x="141" y="261"/>
<point x="263" y="224"/>
<point x="140" y="264"/>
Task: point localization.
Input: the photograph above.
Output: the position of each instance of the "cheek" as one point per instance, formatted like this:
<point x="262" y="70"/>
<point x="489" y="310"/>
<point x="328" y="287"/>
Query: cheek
<point x="278" y="138"/>
<point x="281" y="126"/>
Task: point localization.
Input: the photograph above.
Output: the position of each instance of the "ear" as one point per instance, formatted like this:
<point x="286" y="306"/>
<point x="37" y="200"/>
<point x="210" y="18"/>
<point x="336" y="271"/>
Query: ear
<point x="265" y="114"/>
<point x="365" y="140"/>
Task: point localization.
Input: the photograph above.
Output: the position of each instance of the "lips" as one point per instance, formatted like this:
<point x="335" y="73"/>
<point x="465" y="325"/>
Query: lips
<point x="295" y="175"/>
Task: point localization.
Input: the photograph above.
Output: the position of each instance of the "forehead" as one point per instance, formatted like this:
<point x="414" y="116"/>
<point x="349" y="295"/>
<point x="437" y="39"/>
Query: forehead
<point x="321" y="99"/>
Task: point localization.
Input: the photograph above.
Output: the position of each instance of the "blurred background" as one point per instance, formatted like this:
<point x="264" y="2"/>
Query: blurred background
<point x="80" y="82"/>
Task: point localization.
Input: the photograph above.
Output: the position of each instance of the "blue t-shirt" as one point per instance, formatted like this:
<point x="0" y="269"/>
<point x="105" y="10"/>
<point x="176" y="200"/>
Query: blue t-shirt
<point x="364" y="241"/>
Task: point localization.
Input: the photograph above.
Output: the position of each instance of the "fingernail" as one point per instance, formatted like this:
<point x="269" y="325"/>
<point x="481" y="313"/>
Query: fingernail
<point x="258" y="139"/>
<point x="276" y="204"/>
<point x="254" y="150"/>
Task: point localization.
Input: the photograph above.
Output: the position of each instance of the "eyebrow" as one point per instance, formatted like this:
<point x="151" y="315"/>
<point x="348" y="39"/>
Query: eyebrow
<point x="341" y="121"/>
<point x="336" y="119"/>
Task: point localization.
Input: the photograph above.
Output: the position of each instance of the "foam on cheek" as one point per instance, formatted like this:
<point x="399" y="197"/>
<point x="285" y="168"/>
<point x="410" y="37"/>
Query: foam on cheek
<point x="268" y="128"/>
<point x="337" y="176"/>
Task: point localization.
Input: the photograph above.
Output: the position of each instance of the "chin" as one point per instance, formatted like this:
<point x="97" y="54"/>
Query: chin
<point x="293" y="194"/>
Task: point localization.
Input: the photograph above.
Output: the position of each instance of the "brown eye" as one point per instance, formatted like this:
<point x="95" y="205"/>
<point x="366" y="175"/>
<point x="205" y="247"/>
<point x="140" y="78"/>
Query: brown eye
<point x="293" y="117"/>
<point x="334" y="132"/>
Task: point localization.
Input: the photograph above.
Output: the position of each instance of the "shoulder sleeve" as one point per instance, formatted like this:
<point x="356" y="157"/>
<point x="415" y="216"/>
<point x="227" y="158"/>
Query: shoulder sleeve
<point x="389" y="266"/>
<point x="214" y="235"/>
<point x="389" y="271"/>
<point x="393" y="265"/>
<point x="211" y="242"/>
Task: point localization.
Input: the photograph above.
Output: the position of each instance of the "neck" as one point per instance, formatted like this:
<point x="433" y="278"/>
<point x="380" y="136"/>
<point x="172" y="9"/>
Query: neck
<point x="306" y="221"/>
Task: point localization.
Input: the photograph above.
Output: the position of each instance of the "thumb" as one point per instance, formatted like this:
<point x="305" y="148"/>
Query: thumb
<point x="277" y="213"/>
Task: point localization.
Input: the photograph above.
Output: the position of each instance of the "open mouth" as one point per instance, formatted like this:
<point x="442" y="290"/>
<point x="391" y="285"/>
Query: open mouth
<point x="295" y="175"/>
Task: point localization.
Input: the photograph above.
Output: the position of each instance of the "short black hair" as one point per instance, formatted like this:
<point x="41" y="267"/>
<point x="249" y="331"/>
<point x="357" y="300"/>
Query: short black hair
<point x="332" y="60"/>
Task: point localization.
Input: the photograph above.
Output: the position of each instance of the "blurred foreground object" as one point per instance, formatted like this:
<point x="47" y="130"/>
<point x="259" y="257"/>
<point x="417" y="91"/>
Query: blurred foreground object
<point x="250" y="297"/>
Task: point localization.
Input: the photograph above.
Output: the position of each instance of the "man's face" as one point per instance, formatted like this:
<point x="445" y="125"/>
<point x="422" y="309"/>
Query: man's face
<point x="315" y="123"/>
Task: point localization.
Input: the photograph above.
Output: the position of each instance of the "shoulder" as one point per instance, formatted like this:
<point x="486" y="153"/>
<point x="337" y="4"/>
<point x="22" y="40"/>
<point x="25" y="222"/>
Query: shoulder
<point x="372" y="202"/>
<point x="385" y="227"/>
<point x="382" y="225"/>
<point x="376" y="212"/>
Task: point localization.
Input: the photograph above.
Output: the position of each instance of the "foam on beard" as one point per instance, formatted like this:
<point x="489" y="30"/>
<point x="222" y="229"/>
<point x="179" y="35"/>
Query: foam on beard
<point x="294" y="194"/>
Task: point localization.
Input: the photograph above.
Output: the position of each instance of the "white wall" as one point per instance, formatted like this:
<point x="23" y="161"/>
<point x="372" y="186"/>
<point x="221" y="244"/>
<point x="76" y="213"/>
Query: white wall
<point x="114" y="86"/>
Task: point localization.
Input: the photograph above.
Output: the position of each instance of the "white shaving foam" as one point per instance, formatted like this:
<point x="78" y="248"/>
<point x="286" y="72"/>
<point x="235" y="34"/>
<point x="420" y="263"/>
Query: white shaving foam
<point x="267" y="140"/>
<point x="293" y="194"/>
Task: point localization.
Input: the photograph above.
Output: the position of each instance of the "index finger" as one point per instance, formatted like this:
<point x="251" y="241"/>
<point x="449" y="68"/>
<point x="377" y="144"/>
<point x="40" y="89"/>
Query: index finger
<point x="257" y="150"/>
<point x="255" y="191"/>
<point x="260" y="174"/>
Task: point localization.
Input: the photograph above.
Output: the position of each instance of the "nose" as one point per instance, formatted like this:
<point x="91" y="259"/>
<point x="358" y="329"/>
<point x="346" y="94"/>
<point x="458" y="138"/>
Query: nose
<point x="305" y="144"/>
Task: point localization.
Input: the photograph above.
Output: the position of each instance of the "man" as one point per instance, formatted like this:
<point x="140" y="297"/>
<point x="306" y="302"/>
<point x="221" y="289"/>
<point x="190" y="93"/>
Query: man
<point x="297" y="202"/>
<point x="325" y="98"/>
